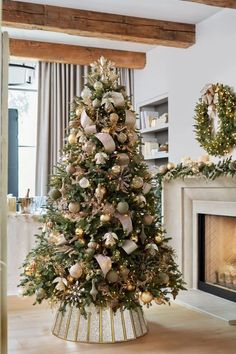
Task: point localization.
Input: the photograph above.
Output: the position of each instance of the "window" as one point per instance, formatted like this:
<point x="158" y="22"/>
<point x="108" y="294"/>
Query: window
<point x="25" y="100"/>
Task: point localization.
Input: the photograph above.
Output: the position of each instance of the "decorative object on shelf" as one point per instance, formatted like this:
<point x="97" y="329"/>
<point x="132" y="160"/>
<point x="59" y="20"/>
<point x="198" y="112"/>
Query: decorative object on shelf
<point x="97" y="251"/>
<point x="215" y="119"/>
<point x="163" y="147"/>
<point x="154" y="130"/>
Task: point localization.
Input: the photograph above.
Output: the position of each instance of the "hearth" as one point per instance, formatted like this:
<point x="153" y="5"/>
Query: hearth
<point x="217" y="255"/>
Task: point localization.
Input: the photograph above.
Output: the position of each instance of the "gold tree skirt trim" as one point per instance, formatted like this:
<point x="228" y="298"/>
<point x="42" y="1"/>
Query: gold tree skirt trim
<point x="102" y="325"/>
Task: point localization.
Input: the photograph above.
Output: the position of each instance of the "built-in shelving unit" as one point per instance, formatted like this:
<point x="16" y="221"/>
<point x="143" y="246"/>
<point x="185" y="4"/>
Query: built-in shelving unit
<point x="154" y="127"/>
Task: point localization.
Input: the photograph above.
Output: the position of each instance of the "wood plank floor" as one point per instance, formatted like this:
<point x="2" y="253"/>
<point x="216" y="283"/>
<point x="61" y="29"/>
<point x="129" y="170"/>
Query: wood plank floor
<point x="172" y="330"/>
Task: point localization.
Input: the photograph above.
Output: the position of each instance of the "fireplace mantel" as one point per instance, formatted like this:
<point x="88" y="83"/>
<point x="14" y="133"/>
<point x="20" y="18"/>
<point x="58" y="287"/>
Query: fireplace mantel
<point x="183" y="199"/>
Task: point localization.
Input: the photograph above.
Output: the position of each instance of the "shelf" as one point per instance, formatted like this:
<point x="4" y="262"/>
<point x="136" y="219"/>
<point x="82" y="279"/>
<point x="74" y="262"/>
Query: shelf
<point x="159" y="155"/>
<point x="161" y="127"/>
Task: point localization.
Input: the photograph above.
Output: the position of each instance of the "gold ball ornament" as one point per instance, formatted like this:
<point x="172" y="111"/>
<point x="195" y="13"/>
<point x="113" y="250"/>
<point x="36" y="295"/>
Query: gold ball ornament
<point x="112" y="276"/>
<point x="123" y="159"/>
<point x="137" y="182"/>
<point x="105" y="218"/>
<point x="159" y="301"/>
<point x="130" y="286"/>
<point x="70" y="169"/>
<point x="108" y="209"/>
<point x="49" y="224"/>
<point x="134" y="237"/>
<point x="74" y="207"/>
<point x="116" y="169"/>
<point x="76" y="271"/>
<point x="72" y="139"/>
<point x="124" y="272"/>
<point x="146" y="297"/>
<point x="114" y="118"/>
<point x="70" y="279"/>
<point x="158" y="238"/>
<point x="79" y="232"/>
<point x="148" y="219"/>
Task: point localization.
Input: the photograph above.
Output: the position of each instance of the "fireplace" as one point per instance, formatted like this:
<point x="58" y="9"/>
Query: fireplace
<point x="183" y="201"/>
<point x="217" y="255"/>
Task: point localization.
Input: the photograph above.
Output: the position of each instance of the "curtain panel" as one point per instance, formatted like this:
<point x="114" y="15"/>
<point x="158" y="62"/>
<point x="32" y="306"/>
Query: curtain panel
<point x="58" y="84"/>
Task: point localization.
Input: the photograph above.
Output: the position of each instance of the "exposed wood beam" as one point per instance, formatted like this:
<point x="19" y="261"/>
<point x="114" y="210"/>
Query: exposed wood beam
<point x="63" y="53"/>
<point x="219" y="3"/>
<point x="97" y="24"/>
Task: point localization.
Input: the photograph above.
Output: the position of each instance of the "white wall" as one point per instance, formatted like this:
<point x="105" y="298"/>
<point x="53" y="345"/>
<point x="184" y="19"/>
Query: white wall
<point x="183" y="72"/>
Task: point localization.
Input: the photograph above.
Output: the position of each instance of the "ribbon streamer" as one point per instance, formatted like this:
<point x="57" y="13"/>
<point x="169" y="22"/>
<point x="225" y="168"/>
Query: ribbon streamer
<point x="129" y="246"/>
<point x="104" y="263"/>
<point x="130" y="119"/>
<point x="85" y="120"/>
<point x="125" y="221"/>
<point x="107" y="141"/>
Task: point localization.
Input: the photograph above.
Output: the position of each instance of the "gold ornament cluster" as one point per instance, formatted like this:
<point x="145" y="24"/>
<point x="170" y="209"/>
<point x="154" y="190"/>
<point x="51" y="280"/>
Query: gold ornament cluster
<point x="215" y="119"/>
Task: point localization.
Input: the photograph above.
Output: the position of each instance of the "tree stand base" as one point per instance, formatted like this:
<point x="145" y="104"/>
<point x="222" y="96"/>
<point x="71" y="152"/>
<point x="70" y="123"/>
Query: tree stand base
<point x="102" y="325"/>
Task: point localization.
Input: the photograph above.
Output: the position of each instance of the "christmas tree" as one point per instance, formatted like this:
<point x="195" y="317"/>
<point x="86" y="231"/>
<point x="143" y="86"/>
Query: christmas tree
<point x="102" y="241"/>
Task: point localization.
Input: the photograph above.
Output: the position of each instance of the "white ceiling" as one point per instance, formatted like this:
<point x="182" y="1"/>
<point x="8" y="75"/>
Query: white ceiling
<point x="172" y="10"/>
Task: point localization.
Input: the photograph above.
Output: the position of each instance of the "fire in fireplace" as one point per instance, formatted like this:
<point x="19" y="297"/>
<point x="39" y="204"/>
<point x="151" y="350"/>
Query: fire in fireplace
<point x="217" y="255"/>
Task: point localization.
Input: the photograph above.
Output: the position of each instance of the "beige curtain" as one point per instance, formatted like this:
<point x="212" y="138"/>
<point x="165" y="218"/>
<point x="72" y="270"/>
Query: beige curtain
<point x="58" y="84"/>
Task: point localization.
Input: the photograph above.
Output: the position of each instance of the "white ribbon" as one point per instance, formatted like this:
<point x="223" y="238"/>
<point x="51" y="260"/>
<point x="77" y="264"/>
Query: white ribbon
<point x="125" y="221"/>
<point x="107" y="141"/>
<point x="129" y="246"/>
<point x="104" y="263"/>
<point x="130" y="119"/>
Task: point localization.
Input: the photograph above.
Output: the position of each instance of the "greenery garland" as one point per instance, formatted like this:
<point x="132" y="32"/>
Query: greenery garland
<point x="217" y="101"/>
<point x="188" y="168"/>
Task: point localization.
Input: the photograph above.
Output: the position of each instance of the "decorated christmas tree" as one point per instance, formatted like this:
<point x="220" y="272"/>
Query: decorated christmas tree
<point x="102" y="244"/>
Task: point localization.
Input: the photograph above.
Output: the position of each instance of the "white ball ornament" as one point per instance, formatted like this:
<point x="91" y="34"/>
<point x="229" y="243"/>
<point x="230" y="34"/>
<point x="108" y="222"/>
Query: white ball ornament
<point x="84" y="183"/>
<point x="74" y="207"/>
<point x="76" y="271"/>
<point x="98" y="85"/>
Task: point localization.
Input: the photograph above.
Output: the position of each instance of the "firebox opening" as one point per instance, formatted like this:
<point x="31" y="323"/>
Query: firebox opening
<point x="217" y="255"/>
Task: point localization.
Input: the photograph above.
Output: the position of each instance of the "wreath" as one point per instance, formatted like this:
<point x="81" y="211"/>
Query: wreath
<point x="215" y="117"/>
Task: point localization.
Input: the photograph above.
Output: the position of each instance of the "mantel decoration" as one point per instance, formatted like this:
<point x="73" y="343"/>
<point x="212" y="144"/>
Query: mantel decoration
<point x="215" y="119"/>
<point x="102" y="251"/>
<point x="189" y="168"/>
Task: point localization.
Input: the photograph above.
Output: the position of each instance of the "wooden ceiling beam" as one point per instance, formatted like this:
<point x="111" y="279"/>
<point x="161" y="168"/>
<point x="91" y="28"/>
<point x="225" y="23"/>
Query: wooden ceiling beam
<point x="218" y="3"/>
<point x="72" y="54"/>
<point x="96" y="24"/>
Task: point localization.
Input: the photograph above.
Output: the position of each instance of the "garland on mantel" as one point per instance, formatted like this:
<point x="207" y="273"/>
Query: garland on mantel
<point x="188" y="168"/>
